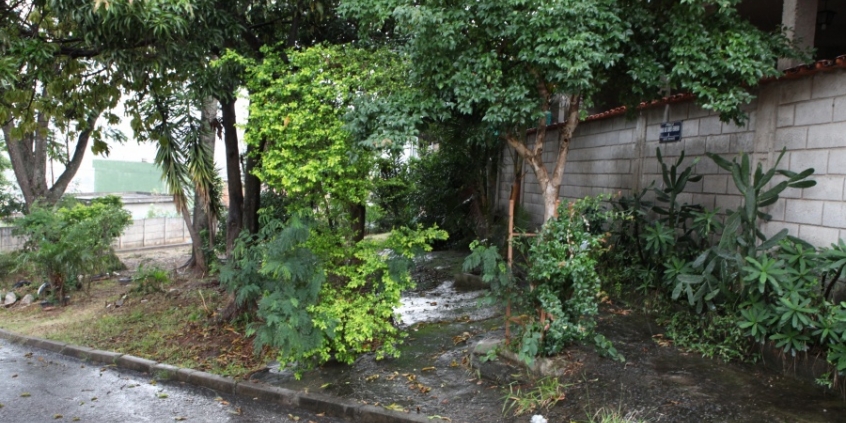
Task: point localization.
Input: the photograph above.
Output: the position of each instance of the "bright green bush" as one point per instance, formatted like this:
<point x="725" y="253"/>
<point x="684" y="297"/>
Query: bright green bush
<point x="317" y="298"/>
<point x="65" y="243"/>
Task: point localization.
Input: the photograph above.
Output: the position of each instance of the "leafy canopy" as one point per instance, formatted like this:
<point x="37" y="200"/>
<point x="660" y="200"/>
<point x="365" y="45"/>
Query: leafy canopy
<point x="506" y="58"/>
<point x="300" y="105"/>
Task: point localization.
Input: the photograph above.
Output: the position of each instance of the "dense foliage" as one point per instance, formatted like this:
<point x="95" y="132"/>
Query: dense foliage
<point x="513" y="61"/>
<point x="315" y="300"/>
<point x="65" y="243"/>
<point x="562" y="288"/>
<point x="742" y="286"/>
<point x="312" y="287"/>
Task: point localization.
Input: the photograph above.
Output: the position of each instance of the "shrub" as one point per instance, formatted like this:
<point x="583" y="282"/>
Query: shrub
<point x="67" y="242"/>
<point x="150" y="279"/>
<point x="564" y="284"/>
<point x="316" y="297"/>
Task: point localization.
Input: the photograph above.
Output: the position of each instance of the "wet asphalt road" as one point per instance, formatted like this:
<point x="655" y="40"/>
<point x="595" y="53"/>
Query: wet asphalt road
<point x="40" y="386"/>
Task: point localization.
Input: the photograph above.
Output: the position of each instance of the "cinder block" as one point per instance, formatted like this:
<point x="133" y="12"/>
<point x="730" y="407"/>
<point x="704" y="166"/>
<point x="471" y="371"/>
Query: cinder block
<point x="727" y="202"/>
<point x="828" y="187"/>
<point x="714" y="184"/>
<point x="652" y="132"/>
<point x="793" y="138"/>
<point x="694" y="146"/>
<point x="718" y="144"/>
<point x="785" y="115"/>
<point x="830" y="135"/>
<point x="710" y="125"/>
<point x="752" y="120"/>
<point x="618" y="123"/>
<point x="837" y="161"/>
<point x="732" y="128"/>
<point x="654" y="115"/>
<point x="839" y="114"/>
<point x="814" y="112"/>
<point x="794" y="193"/>
<point x="704" y="200"/>
<point x="819" y="235"/>
<point x="829" y="84"/>
<point x="777" y="210"/>
<point x="678" y="111"/>
<point x="690" y="128"/>
<point x="696" y="111"/>
<point x="795" y="90"/>
<point x="625" y="136"/>
<point x="742" y="142"/>
<point x="834" y="214"/>
<point x="706" y="166"/>
<point x="771" y="228"/>
<point x="803" y="211"/>
<point x="801" y="160"/>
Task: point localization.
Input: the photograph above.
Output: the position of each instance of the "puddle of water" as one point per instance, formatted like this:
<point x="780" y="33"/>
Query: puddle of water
<point x="443" y="304"/>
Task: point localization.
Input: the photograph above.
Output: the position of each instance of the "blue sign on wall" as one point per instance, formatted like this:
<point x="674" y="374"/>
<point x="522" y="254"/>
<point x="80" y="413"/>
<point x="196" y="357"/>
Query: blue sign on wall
<point x="670" y="132"/>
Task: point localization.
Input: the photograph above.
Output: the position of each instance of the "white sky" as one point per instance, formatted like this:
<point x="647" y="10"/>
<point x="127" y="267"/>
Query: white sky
<point x="133" y="151"/>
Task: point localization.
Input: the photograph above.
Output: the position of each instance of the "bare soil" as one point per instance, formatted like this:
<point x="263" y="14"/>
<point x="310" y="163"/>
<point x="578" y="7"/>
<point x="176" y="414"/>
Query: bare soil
<point x="657" y="383"/>
<point x="176" y="325"/>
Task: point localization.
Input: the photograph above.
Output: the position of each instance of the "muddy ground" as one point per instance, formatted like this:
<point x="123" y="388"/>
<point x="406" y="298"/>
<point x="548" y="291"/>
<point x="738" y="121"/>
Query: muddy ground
<point x="657" y="383"/>
<point x="434" y="376"/>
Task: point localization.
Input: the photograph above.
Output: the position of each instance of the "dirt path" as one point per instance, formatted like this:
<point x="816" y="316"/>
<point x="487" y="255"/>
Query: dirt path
<point x="657" y="383"/>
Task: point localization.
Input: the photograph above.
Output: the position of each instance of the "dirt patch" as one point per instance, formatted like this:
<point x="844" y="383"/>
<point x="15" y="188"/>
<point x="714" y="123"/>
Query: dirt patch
<point x="658" y="383"/>
<point x="175" y="324"/>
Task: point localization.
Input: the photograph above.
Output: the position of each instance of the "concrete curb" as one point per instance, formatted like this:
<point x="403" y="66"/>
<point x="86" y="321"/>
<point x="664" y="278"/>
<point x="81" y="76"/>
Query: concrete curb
<point x="335" y="407"/>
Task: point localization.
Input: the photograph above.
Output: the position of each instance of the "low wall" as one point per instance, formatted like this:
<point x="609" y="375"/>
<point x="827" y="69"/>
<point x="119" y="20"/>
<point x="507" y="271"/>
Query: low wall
<point x="805" y="115"/>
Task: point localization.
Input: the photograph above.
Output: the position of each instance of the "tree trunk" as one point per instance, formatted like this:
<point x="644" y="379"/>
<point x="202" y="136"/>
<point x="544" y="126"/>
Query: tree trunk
<point x="28" y="155"/>
<point x="252" y="188"/>
<point x="202" y="220"/>
<point x="199" y="259"/>
<point x="357" y="215"/>
<point x="234" y="219"/>
<point x="549" y="184"/>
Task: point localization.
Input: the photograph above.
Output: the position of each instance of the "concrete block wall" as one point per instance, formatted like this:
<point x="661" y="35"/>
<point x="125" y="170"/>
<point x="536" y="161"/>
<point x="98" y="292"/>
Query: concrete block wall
<point x="141" y="233"/>
<point x="152" y="232"/>
<point x="811" y="125"/>
<point x="807" y="116"/>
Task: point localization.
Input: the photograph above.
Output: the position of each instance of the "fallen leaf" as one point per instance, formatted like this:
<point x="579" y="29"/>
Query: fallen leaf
<point x="76" y="419"/>
<point x="180" y="418"/>
<point x="395" y="407"/>
<point x="25" y="395"/>
<point x="426" y="369"/>
<point x="15" y="375"/>
<point x="57" y="416"/>
<point x="162" y="395"/>
<point x="325" y="385"/>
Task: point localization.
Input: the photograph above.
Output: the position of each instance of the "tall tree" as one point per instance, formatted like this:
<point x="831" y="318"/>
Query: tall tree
<point x="177" y="120"/>
<point x="509" y="60"/>
<point x="50" y="86"/>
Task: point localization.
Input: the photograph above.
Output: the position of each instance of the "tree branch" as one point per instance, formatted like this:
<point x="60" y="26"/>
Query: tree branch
<point x="58" y="189"/>
<point x="565" y="134"/>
